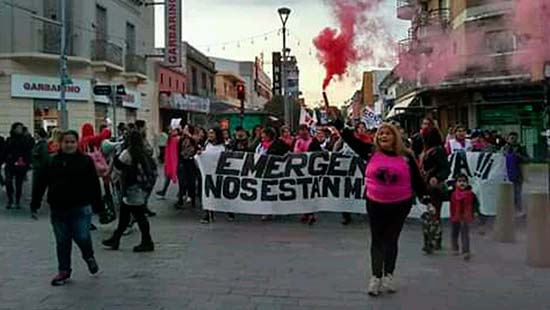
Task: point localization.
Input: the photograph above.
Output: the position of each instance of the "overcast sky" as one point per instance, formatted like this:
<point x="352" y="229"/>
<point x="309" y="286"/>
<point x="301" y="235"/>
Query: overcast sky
<point x="208" y="24"/>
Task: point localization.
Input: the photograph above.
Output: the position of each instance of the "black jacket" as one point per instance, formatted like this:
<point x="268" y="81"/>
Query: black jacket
<point x="435" y="164"/>
<point x="417" y="144"/>
<point x="315" y="146"/>
<point x="365" y="151"/>
<point x="73" y="182"/>
<point x="278" y="148"/>
<point x="18" y="147"/>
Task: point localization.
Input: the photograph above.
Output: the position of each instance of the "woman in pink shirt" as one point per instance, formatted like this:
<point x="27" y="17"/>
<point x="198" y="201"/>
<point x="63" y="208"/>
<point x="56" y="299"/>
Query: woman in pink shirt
<point x="392" y="179"/>
<point x="306" y="143"/>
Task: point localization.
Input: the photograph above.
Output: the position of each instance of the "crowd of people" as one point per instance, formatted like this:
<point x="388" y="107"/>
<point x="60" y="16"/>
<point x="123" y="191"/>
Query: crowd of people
<point x="93" y="172"/>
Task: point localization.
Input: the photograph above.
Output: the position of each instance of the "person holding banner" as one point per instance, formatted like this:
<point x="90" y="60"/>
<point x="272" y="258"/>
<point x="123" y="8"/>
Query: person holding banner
<point x="435" y="168"/>
<point x="187" y="169"/>
<point x="392" y="179"/>
<point x="215" y="144"/>
<point x="305" y="143"/>
<point x="286" y="136"/>
<point x="270" y="145"/>
<point x="417" y="143"/>
<point x="459" y="143"/>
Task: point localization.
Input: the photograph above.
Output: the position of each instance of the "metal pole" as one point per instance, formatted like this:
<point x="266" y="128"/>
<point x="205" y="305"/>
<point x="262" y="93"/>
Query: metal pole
<point x="284" y="75"/>
<point x="547" y="129"/>
<point x="63" y="68"/>
<point x="113" y="102"/>
<point x="241" y="115"/>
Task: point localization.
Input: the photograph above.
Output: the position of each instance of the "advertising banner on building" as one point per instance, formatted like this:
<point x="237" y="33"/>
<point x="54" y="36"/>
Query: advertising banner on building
<point x="173" y="38"/>
<point x="188" y="103"/>
<point x="132" y="99"/>
<point x="302" y="183"/>
<point x="40" y="87"/>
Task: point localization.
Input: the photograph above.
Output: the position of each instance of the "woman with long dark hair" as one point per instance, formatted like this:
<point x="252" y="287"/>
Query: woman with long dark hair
<point x="187" y="169"/>
<point x="435" y="170"/>
<point x="18" y="157"/>
<point x="392" y="179"/>
<point x="214" y="145"/>
<point x="138" y="178"/>
<point x="73" y="193"/>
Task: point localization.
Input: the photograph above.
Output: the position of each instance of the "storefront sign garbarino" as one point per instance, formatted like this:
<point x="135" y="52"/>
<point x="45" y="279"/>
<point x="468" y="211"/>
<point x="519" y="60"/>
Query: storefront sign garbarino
<point x="39" y="87"/>
<point x="172" y="18"/>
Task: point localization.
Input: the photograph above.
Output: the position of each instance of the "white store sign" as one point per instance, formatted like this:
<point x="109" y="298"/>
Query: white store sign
<point x="28" y="86"/>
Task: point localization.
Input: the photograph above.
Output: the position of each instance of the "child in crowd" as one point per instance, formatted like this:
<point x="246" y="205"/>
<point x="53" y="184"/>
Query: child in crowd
<point x="464" y="205"/>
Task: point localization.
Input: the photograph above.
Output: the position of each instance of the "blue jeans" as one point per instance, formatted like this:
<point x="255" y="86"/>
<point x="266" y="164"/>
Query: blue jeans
<point x="68" y="225"/>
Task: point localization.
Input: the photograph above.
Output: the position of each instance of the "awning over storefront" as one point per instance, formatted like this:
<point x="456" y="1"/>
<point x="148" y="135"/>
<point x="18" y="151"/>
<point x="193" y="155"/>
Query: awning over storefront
<point x="401" y="106"/>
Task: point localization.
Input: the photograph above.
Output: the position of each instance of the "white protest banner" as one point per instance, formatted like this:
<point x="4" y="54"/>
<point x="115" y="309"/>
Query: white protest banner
<point x="484" y="170"/>
<point x="293" y="184"/>
<point x="311" y="182"/>
<point x="371" y="119"/>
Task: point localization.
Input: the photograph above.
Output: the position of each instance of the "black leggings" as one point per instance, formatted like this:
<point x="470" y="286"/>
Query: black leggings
<point x="386" y="223"/>
<point x="19" y="177"/>
<point x="187" y="178"/>
<point x="138" y="212"/>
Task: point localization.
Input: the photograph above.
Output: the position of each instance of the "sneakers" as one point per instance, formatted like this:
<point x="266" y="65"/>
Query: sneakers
<point x="61" y="278"/>
<point x="375" y="284"/>
<point x="388" y="284"/>
<point x="9" y="206"/>
<point x="92" y="265"/>
<point x="34" y="215"/>
<point x="145" y="247"/>
<point x="467" y="256"/>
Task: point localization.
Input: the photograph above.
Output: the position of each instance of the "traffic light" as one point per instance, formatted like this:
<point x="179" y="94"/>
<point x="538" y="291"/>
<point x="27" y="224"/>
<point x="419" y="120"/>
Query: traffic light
<point x="241" y="92"/>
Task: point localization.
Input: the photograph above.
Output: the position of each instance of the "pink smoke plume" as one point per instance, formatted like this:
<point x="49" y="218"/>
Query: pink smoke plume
<point x="337" y="48"/>
<point x="442" y="54"/>
<point x="531" y="24"/>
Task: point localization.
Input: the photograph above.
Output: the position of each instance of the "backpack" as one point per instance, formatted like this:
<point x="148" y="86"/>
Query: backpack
<point x="146" y="174"/>
<point x="101" y="166"/>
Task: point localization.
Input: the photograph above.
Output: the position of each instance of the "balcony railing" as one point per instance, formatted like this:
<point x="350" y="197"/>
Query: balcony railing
<point x="103" y="50"/>
<point x="136" y="63"/>
<point x="405" y="9"/>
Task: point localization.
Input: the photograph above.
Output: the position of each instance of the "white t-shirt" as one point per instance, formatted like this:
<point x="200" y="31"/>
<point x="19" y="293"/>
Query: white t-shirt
<point x="213" y="149"/>
<point x="455" y="146"/>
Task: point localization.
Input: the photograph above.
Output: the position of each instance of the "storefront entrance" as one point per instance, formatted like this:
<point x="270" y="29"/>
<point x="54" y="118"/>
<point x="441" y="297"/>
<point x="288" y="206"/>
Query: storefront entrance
<point x="46" y="114"/>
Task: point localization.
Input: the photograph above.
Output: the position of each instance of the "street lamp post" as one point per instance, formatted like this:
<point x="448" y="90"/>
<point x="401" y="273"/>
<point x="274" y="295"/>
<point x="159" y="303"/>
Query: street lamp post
<point x="63" y="68"/>
<point x="284" y="13"/>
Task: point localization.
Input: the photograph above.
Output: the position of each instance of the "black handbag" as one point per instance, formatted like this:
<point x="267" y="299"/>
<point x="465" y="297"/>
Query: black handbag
<point x="109" y="213"/>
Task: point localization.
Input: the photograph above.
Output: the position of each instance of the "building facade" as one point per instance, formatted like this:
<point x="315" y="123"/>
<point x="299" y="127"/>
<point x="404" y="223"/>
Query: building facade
<point x="186" y="93"/>
<point x="257" y="82"/>
<point x="459" y="64"/>
<point x="107" y="41"/>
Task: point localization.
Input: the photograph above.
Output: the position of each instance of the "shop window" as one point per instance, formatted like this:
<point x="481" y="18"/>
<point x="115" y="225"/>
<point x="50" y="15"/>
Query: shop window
<point x="131" y="115"/>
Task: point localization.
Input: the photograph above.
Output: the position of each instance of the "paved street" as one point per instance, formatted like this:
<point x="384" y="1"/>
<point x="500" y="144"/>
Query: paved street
<point x="252" y="265"/>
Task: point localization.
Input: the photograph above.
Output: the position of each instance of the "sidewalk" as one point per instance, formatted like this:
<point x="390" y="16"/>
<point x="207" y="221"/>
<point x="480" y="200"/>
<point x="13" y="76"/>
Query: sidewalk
<point x="254" y="265"/>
